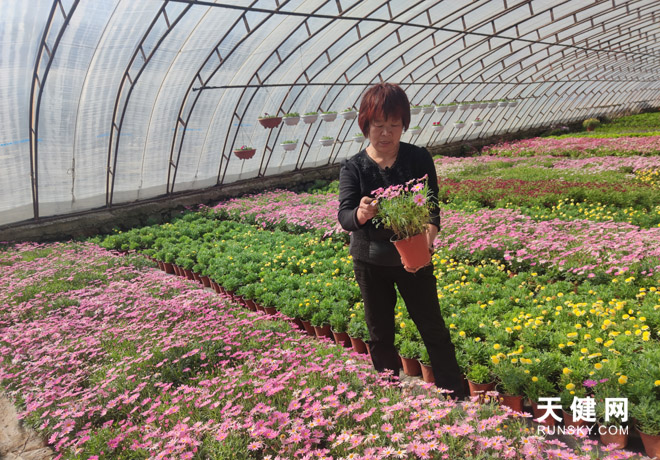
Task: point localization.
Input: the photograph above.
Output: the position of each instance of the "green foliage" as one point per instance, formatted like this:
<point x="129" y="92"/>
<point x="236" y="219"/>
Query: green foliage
<point x="479" y="373"/>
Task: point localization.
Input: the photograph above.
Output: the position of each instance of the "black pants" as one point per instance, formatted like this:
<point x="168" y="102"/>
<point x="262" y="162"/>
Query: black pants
<point x="419" y="291"/>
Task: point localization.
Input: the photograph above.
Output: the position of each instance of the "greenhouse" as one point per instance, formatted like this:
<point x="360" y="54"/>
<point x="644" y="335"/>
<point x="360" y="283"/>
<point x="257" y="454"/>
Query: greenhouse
<point x="182" y="211"/>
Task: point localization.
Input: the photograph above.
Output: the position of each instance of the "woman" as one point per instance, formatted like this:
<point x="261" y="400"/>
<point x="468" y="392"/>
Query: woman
<point x="384" y="115"/>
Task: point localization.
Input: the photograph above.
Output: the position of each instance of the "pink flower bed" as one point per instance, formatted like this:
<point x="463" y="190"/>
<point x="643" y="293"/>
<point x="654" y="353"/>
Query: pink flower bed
<point x="287" y="210"/>
<point x="609" y="163"/>
<point x="577" y="145"/>
<point x="138" y="364"/>
<point x="578" y="246"/>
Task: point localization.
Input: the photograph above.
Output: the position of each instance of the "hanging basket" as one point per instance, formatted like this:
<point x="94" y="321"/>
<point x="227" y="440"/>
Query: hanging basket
<point x="438" y="128"/>
<point x="270" y="122"/>
<point x="291" y="121"/>
<point x="414" y="251"/>
<point x="349" y="115"/>
<point x="289" y="146"/>
<point x="328" y="117"/>
<point x="245" y="154"/>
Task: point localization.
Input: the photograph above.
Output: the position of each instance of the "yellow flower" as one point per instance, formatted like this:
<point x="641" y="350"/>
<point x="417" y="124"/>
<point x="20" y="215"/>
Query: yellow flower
<point x="598" y="366"/>
<point x="403" y="325"/>
<point x="570" y="386"/>
<point x="462" y="333"/>
<point x="535" y="379"/>
<point x="657" y="383"/>
<point x="495" y="359"/>
<point x="566" y="371"/>
<point x="623" y="379"/>
<point x="496" y="346"/>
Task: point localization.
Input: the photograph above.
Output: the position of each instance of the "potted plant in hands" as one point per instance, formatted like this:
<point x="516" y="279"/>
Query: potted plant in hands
<point x="270" y="121"/>
<point x="244" y="152"/>
<point x="405" y="209"/>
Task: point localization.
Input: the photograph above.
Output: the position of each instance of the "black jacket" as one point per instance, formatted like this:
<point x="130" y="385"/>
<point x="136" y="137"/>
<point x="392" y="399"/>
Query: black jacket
<point x="359" y="175"/>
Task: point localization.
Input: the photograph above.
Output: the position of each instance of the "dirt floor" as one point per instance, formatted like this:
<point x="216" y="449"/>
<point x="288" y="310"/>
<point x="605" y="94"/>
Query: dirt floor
<point x="17" y="443"/>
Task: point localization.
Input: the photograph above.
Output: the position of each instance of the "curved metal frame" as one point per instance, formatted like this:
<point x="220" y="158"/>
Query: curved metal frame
<point x="616" y="59"/>
<point x="36" y="93"/>
<point x="123" y="90"/>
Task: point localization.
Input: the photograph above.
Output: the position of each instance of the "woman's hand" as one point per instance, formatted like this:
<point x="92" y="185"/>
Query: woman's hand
<point x="367" y="210"/>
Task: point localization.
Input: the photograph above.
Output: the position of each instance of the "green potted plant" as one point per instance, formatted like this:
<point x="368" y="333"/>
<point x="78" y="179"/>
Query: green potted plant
<point x="410" y="351"/>
<point x="427" y="108"/>
<point x="511" y="380"/>
<point x="321" y="322"/>
<point x="415" y="130"/>
<point x="425" y="364"/>
<point x="437" y="126"/>
<point x="327" y="140"/>
<point x="270" y="121"/>
<point x="415" y="109"/>
<point x="502" y="103"/>
<point x="245" y="152"/>
<point x="357" y="330"/>
<point x="459" y="124"/>
<point x="477" y="122"/>
<point x="339" y="325"/>
<point x="349" y="114"/>
<point x="480" y="379"/>
<point x="591" y="123"/>
<point x="289" y="144"/>
<point x="441" y="108"/>
<point x="358" y="137"/>
<point x="310" y="117"/>
<point x="611" y="428"/>
<point x="291" y="118"/>
<point x="329" y="116"/>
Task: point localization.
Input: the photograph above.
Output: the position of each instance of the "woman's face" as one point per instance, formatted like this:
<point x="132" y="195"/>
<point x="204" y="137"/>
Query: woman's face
<point x="384" y="135"/>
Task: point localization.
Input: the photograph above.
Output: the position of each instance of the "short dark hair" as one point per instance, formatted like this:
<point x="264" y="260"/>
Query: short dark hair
<point x="383" y="100"/>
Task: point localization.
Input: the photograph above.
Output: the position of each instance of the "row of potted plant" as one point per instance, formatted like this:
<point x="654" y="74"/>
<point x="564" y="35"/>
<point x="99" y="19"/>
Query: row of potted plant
<point x="284" y="285"/>
<point x="293" y="118"/>
<point x="535" y="374"/>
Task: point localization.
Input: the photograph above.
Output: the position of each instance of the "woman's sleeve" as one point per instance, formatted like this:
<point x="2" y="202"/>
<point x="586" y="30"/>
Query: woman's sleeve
<point x="349" y="197"/>
<point x="433" y="187"/>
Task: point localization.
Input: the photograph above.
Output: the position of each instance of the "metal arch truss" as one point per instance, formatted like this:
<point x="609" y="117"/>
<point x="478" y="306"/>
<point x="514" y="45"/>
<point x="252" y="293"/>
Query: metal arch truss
<point x="45" y="57"/>
<point x="136" y="66"/>
<point x="608" y="53"/>
<point x="563" y="60"/>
